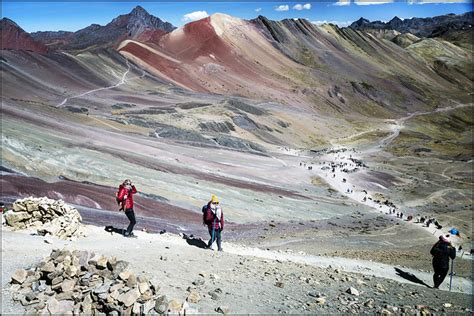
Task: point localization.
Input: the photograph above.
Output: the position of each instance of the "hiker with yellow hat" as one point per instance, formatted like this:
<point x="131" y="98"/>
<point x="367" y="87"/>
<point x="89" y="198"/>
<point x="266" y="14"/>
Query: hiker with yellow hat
<point x="213" y="217"/>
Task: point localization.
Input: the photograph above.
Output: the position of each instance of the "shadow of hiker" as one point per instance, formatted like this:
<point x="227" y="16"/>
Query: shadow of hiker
<point x="196" y="242"/>
<point x="410" y="277"/>
<point x="112" y="229"/>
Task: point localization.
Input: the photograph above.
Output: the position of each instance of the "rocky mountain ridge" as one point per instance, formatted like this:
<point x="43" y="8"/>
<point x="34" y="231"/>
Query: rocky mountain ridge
<point x="15" y="38"/>
<point x="122" y="27"/>
<point x="421" y="27"/>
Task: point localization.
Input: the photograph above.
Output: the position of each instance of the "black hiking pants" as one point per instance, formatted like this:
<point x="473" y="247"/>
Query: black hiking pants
<point x="131" y="217"/>
<point x="439" y="275"/>
<point x="215" y="234"/>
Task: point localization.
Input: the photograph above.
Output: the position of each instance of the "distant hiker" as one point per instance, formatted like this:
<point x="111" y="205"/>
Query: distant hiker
<point x="125" y="198"/>
<point x="442" y="251"/>
<point x="213" y="217"/>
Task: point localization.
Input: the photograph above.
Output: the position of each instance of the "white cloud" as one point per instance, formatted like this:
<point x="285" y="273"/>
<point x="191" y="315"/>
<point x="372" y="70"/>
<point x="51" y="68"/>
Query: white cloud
<point x="342" y="2"/>
<point x="367" y="2"/>
<point x="258" y="9"/>
<point x="300" y="7"/>
<point x="436" y="1"/>
<point x="283" y="7"/>
<point x="194" y="16"/>
<point x="338" y="23"/>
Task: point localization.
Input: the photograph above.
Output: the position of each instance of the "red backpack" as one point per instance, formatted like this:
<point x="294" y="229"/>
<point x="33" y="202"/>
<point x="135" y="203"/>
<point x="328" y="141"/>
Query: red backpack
<point x="208" y="215"/>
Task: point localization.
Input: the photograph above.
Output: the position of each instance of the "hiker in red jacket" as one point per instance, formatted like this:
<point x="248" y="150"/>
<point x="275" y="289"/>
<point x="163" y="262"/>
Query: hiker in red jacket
<point x="213" y="217"/>
<point x="125" y="197"/>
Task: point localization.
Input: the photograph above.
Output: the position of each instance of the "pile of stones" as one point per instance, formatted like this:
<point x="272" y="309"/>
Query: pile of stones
<point x="48" y="216"/>
<point x="80" y="282"/>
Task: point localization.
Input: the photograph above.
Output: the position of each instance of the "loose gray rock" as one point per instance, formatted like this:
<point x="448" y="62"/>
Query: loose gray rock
<point x="353" y="291"/>
<point x="19" y="276"/>
<point x="223" y="310"/>
<point x="101" y="263"/>
<point x="129" y="298"/>
<point x="56" y="307"/>
<point x="161" y="304"/>
<point x="174" y="306"/>
<point x="199" y="282"/>
<point x="68" y="285"/>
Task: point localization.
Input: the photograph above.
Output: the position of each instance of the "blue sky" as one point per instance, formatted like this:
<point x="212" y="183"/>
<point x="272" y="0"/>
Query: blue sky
<point x="72" y="16"/>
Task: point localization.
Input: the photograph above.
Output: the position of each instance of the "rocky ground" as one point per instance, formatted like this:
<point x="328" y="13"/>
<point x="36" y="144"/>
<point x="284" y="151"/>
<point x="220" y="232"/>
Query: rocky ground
<point x="379" y="238"/>
<point x="266" y="281"/>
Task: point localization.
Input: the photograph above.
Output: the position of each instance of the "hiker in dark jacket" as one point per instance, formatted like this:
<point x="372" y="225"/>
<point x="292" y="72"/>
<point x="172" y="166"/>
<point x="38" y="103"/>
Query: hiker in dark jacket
<point x="441" y="252"/>
<point x="125" y="196"/>
<point x="213" y="217"/>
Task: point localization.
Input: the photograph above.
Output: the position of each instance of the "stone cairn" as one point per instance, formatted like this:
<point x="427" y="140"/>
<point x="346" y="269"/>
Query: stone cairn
<point x="50" y="217"/>
<point x="80" y="283"/>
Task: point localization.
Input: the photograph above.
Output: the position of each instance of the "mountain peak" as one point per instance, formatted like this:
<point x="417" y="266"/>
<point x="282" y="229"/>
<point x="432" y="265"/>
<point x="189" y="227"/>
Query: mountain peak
<point x="7" y="21"/>
<point x="395" y="20"/>
<point x="138" y="11"/>
<point x="362" y="21"/>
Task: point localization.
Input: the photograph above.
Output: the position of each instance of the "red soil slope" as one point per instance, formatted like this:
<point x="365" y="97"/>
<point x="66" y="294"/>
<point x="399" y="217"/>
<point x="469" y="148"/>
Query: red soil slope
<point x="202" y="57"/>
<point x="14" y="37"/>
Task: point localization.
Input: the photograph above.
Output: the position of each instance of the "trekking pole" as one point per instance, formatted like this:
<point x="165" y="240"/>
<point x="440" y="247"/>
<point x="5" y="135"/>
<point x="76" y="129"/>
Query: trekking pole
<point x="452" y="273"/>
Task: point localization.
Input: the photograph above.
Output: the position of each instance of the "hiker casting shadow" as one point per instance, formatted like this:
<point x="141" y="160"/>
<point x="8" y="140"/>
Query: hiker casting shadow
<point x="213" y="217"/>
<point x="410" y="277"/>
<point x="196" y="242"/>
<point x="442" y="251"/>
<point x="112" y="229"/>
<point x="125" y="200"/>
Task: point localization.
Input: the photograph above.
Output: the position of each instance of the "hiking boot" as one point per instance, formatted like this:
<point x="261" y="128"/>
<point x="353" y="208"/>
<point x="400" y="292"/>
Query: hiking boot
<point x="221" y="250"/>
<point x="131" y="235"/>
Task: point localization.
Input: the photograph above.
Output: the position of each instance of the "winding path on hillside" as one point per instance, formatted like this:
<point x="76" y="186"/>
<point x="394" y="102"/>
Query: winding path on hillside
<point x="400" y="123"/>
<point x="340" y="180"/>
<point x="119" y="83"/>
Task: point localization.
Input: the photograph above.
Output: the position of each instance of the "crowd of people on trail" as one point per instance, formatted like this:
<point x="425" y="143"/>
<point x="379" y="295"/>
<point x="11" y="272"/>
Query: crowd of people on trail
<point x="442" y="251"/>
